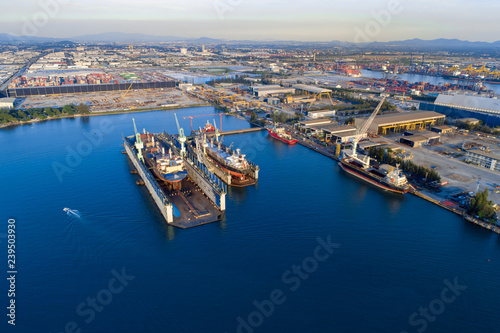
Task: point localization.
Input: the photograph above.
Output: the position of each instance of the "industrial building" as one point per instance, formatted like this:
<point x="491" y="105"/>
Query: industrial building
<point x="312" y="89"/>
<point x="306" y="123"/>
<point x="7" y="103"/>
<point x="339" y="134"/>
<point x="470" y="103"/>
<point x="481" y="158"/>
<point x="271" y="90"/>
<point x="401" y="122"/>
<point x="443" y="129"/>
<point x="321" y="114"/>
<point x="421" y="139"/>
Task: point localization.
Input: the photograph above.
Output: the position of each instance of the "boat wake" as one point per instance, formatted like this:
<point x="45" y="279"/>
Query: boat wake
<point x="73" y="212"/>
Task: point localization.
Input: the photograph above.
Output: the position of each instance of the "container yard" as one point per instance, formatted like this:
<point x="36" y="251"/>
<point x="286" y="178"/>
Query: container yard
<point x="116" y="101"/>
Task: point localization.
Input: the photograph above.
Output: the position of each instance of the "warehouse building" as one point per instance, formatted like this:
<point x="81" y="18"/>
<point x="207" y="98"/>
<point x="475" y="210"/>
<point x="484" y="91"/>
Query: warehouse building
<point x="271" y="91"/>
<point x="321" y="114"/>
<point x="340" y="134"/>
<point x="401" y="122"/>
<point x="312" y="90"/>
<point x="7" y="103"/>
<point x="481" y="158"/>
<point x="421" y="139"/>
<point x="307" y="123"/>
<point x="470" y="103"/>
<point x="443" y="129"/>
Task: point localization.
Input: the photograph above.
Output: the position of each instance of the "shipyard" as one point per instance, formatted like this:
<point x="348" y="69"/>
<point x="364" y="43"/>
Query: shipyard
<point x="303" y="99"/>
<point x="186" y="193"/>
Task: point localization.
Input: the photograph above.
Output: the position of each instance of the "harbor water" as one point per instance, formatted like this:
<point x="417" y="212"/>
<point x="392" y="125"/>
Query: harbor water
<point x="435" y="80"/>
<point x="308" y="249"/>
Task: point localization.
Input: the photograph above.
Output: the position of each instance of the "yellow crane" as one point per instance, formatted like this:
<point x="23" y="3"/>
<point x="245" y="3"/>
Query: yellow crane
<point x="123" y="96"/>
<point x="495" y="73"/>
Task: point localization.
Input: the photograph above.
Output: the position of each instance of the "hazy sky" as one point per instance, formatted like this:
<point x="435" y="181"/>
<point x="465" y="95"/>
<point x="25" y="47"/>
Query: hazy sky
<point x="311" y="20"/>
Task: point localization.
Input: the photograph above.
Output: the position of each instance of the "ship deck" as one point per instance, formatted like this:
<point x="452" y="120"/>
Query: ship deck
<point x="194" y="207"/>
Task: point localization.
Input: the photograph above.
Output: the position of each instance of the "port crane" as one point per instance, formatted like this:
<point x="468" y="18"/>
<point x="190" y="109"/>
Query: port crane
<point x="361" y="132"/>
<point x="182" y="137"/>
<point x="127" y="90"/>
<point x="205" y="115"/>
<point x="316" y="97"/>
<point x="139" y="145"/>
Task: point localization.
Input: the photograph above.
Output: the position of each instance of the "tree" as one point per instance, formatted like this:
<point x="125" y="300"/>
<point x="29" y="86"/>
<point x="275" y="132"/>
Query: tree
<point x="253" y="117"/>
<point x="82" y="108"/>
<point x="481" y="206"/>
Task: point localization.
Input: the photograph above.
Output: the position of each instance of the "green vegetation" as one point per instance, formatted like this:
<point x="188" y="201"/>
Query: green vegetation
<point x="358" y="104"/>
<point x="407" y="166"/>
<point x="237" y="79"/>
<point x="480" y="127"/>
<point x="10" y="116"/>
<point x="280" y="117"/>
<point x="482" y="207"/>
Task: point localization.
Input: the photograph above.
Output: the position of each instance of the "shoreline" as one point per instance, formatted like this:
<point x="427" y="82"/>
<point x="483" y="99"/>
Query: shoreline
<point x="492" y="227"/>
<point x="420" y="194"/>
<point x="106" y="113"/>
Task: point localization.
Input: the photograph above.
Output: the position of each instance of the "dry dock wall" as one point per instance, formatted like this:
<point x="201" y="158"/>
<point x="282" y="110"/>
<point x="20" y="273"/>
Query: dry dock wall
<point x="156" y="192"/>
<point x="205" y="186"/>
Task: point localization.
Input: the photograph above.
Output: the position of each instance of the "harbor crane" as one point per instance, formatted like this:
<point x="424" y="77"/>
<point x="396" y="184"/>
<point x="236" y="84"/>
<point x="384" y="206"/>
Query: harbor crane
<point x="205" y="115"/>
<point x="139" y="145"/>
<point x="182" y="137"/>
<point x="126" y="93"/>
<point x="361" y="132"/>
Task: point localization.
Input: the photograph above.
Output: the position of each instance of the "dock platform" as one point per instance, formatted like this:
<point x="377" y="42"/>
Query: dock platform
<point x="194" y="203"/>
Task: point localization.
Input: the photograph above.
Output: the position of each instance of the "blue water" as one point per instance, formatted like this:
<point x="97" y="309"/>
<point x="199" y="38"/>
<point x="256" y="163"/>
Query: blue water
<point x="395" y="252"/>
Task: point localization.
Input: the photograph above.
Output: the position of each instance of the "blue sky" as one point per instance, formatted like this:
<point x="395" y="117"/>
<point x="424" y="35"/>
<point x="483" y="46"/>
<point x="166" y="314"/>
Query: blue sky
<point x="311" y="20"/>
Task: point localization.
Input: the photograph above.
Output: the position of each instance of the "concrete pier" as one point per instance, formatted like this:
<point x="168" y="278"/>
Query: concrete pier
<point x="248" y="130"/>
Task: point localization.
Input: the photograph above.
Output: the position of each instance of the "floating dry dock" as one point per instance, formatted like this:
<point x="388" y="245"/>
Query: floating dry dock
<point x="198" y="199"/>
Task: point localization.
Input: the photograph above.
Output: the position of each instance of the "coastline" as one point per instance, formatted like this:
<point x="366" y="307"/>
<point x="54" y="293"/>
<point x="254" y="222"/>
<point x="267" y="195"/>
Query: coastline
<point x="105" y="113"/>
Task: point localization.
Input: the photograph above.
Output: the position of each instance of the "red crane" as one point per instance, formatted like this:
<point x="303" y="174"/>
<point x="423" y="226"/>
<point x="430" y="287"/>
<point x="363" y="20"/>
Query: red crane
<point x="205" y="115"/>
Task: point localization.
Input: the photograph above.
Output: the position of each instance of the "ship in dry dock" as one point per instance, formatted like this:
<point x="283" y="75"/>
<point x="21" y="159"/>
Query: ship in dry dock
<point x="186" y="195"/>
<point x="168" y="167"/>
<point x="232" y="162"/>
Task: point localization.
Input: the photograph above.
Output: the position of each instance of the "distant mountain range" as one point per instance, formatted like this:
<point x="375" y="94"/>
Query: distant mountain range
<point x="119" y="37"/>
<point x="441" y="43"/>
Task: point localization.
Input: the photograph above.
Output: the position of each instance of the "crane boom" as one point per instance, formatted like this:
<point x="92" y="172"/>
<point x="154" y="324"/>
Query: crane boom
<point x="135" y="127"/>
<point x="370" y="120"/>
